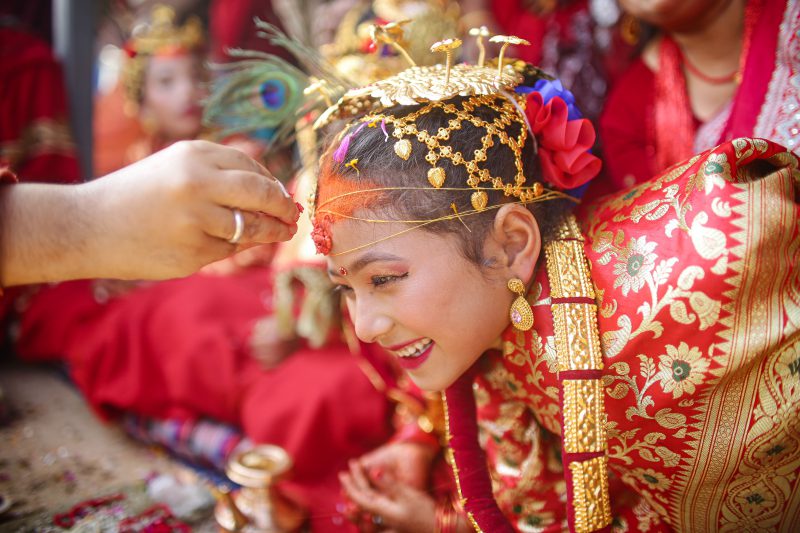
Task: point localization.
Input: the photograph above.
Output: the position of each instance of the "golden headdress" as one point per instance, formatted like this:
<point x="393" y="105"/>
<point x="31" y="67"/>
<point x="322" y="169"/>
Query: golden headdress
<point x="526" y="104"/>
<point x="159" y="36"/>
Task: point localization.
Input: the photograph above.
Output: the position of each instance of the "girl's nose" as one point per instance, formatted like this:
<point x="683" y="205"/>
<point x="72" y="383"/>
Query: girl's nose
<point x="370" y="323"/>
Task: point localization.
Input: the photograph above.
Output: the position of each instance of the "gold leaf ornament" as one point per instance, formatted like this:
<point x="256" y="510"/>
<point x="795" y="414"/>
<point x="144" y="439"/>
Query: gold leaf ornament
<point x="436" y="177"/>
<point x="403" y="149"/>
<point x="479" y="200"/>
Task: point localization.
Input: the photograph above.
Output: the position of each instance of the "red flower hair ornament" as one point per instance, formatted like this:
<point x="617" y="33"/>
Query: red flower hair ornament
<point x="563" y="143"/>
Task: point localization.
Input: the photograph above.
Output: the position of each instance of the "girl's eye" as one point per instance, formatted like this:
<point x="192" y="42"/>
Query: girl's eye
<point x="377" y="281"/>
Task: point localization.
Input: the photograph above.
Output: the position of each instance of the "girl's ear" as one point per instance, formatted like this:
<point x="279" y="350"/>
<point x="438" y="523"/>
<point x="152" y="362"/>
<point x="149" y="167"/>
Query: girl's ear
<point x="518" y="241"/>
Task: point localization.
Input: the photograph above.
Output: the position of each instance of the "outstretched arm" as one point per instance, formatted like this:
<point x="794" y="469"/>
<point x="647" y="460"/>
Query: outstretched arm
<point x="163" y="217"/>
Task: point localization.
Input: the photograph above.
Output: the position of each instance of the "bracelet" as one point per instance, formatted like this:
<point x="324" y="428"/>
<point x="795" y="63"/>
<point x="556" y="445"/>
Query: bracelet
<point x="446" y="517"/>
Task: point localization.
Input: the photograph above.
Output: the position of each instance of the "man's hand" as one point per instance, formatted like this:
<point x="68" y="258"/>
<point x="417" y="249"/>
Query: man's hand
<point x="163" y="217"/>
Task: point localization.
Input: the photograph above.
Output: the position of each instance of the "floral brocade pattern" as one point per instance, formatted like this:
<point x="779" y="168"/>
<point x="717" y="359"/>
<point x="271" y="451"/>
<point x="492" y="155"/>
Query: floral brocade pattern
<point x="697" y="278"/>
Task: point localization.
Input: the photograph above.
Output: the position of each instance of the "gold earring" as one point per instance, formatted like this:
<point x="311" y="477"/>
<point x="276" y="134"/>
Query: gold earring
<point x="521" y="313"/>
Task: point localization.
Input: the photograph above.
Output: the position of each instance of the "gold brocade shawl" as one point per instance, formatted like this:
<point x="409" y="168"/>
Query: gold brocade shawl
<point x="696" y="277"/>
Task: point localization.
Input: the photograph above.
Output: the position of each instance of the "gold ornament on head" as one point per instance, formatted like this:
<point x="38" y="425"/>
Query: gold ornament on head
<point x="391" y="34"/>
<point x="479" y="34"/>
<point x="159" y="36"/>
<point x="521" y="314"/>
<point x="317" y="85"/>
<point x="421" y="84"/>
<point x="447" y="46"/>
<point x="461" y="94"/>
<point x="506" y="40"/>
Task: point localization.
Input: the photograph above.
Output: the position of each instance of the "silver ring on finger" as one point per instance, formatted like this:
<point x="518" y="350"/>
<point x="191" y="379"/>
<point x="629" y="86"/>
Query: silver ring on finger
<point x="238" y="220"/>
<point x="377" y="520"/>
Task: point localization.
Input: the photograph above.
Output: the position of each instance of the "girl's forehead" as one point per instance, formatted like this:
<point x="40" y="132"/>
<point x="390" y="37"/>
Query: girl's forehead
<point x="392" y="241"/>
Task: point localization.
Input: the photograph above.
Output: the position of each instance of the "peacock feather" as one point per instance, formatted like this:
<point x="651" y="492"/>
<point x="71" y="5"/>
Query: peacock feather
<point x="262" y="94"/>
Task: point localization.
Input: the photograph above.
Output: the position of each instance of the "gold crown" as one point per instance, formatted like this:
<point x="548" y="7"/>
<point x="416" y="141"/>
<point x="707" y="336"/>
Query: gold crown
<point x="483" y="86"/>
<point x="162" y="34"/>
<point x="159" y="36"/>
<point x="422" y="84"/>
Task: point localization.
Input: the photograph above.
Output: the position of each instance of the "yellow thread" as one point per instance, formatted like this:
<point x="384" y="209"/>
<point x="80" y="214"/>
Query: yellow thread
<point x="353" y="163"/>
<point x="420" y="223"/>
<point x="455" y="210"/>
<point x="547" y="194"/>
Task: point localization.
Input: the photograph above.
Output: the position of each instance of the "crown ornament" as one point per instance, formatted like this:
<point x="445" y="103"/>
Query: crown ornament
<point x="421" y="84"/>
<point x="528" y="107"/>
<point x="162" y="35"/>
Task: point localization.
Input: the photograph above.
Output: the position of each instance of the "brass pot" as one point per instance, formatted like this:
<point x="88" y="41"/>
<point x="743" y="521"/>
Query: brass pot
<point x="257" y="507"/>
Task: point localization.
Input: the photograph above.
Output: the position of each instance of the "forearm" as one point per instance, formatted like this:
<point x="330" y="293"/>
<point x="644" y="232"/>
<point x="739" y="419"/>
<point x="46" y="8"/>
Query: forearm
<point x="48" y="233"/>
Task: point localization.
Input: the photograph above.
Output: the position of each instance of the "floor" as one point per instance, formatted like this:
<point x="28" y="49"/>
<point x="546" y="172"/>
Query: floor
<point x="54" y="452"/>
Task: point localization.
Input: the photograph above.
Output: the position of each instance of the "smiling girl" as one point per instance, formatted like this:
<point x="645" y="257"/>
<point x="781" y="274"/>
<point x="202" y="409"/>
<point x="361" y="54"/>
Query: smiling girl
<point x="629" y="367"/>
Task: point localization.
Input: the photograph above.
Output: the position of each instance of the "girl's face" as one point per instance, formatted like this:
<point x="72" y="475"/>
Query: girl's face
<point x="173" y="88"/>
<point x="418" y="297"/>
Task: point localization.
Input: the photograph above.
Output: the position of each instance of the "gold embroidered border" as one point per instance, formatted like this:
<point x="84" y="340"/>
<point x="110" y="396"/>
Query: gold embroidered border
<point x="577" y="339"/>
<point x="43" y="136"/>
<point x="568" y="271"/>
<point x="577" y="343"/>
<point x="567" y="228"/>
<point x="450" y="456"/>
<point x="584" y="416"/>
<point x="590" y="494"/>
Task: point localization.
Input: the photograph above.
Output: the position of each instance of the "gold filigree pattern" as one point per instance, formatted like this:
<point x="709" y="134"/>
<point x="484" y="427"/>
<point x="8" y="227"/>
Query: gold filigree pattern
<point x="584" y="416"/>
<point x="590" y="494"/>
<point x="580" y="348"/>
<point x="571" y="273"/>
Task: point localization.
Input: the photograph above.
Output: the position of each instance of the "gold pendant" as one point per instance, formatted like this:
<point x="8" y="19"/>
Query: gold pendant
<point x="436" y="177"/>
<point x="403" y="149"/>
<point x="479" y="200"/>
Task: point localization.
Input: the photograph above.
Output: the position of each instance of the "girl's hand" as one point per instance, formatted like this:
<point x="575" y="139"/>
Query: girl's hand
<point x="395" y="505"/>
<point x="408" y="463"/>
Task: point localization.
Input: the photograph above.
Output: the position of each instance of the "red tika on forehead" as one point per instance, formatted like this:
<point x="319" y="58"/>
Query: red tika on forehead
<point x="337" y="198"/>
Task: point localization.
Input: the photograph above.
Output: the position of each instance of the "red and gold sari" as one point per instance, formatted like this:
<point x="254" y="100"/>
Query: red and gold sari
<point x="658" y="389"/>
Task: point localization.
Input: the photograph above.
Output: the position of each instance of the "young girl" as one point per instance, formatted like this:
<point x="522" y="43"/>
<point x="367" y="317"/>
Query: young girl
<point x="635" y="366"/>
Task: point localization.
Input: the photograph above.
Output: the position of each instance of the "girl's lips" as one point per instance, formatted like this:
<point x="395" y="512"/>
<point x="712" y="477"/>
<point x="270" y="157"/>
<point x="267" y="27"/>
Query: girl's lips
<point x="401" y="346"/>
<point x="410" y="363"/>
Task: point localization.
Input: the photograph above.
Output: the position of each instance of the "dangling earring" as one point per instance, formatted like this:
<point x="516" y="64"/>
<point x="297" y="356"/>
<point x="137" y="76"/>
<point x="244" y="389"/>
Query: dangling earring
<point x="630" y="29"/>
<point x="521" y="313"/>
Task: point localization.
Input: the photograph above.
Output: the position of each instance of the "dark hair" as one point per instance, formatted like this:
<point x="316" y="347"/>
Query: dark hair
<point x="379" y="166"/>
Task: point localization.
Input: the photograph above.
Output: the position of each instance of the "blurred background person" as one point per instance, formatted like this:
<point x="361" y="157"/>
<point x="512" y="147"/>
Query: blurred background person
<point x="715" y="70"/>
